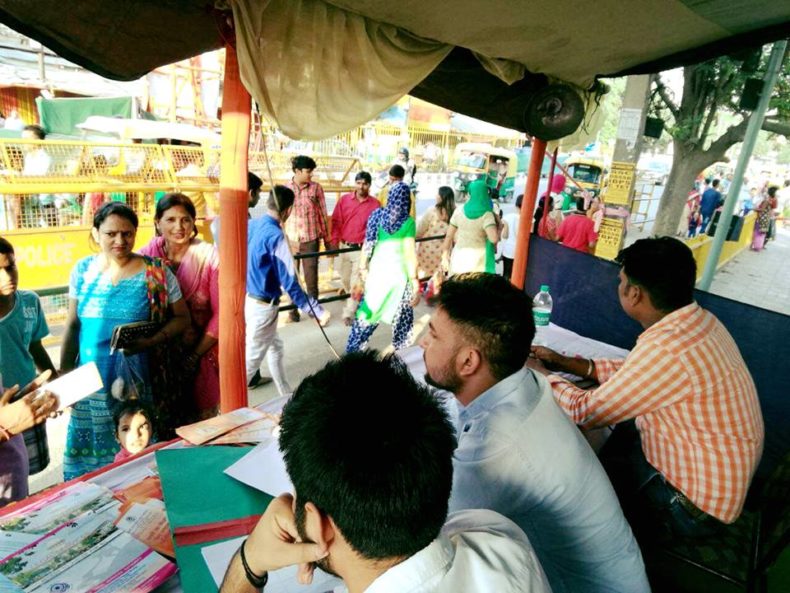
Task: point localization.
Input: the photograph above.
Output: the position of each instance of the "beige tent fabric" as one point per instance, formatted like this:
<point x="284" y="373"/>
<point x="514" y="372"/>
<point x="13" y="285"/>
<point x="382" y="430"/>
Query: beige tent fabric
<point x="317" y="70"/>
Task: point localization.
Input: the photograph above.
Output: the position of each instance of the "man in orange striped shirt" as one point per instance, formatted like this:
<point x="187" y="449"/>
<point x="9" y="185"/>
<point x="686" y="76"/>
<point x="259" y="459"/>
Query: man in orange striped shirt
<point x="690" y="431"/>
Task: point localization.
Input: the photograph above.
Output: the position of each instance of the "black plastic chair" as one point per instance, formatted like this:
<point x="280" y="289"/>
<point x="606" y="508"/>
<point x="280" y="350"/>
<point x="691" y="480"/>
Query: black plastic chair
<point x="741" y="555"/>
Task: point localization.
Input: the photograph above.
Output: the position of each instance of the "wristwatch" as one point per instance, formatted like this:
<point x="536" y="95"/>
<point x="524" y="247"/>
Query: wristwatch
<point x="259" y="582"/>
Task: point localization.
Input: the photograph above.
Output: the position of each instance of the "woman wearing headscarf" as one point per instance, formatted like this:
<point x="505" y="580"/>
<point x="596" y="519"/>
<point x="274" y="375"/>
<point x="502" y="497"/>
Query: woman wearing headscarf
<point x="473" y="234"/>
<point x="388" y="269"/>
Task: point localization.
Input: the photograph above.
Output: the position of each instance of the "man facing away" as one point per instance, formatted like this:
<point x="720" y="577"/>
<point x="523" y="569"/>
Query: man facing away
<point x="371" y="490"/>
<point x="270" y="269"/>
<point x="349" y="221"/>
<point x="577" y="231"/>
<point x="518" y="453"/>
<point x="690" y="431"/>
<point x="711" y="199"/>
<point x="254" y="185"/>
<point x="308" y="225"/>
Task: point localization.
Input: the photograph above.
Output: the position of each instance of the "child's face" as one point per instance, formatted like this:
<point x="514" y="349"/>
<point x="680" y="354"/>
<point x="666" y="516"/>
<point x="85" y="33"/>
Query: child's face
<point x="9" y="274"/>
<point x="134" y="432"/>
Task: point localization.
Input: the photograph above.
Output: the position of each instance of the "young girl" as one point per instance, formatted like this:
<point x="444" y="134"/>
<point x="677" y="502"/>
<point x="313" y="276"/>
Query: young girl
<point x="133" y="428"/>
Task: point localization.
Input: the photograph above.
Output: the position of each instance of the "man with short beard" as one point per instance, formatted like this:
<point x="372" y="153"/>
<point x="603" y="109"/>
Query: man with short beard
<point x="518" y="453"/>
<point x="372" y="476"/>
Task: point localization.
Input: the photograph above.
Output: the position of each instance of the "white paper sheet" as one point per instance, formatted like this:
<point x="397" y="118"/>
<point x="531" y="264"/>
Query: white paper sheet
<point x="263" y="468"/>
<point x="76" y="385"/>
<point x="218" y="557"/>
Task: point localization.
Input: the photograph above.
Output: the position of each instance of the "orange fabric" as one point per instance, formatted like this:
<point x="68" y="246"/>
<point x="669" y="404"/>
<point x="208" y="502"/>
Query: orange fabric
<point x="695" y="406"/>
<point x="233" y="198"/>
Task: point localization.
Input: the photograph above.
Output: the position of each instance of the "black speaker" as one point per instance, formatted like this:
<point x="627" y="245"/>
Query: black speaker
<point x="750" y="97"/>
<point x="553" y="112"/>
<point x="653" y="127"/>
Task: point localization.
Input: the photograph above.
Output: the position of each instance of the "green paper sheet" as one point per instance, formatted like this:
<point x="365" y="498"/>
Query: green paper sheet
<point x="197" y="491"/>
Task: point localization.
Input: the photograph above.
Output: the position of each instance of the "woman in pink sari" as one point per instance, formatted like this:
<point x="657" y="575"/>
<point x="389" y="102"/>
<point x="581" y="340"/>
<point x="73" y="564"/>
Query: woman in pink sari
<point x="196" y="266"/>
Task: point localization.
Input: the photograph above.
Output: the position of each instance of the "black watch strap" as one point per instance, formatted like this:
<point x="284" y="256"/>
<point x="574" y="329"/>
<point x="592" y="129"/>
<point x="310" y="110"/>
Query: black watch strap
<point x="259" y="582"/>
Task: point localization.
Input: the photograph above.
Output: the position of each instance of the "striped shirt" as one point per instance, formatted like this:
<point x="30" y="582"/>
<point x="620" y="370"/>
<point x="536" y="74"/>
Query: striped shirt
<point x="695" y="406"/>
<point x="308" y="219"/>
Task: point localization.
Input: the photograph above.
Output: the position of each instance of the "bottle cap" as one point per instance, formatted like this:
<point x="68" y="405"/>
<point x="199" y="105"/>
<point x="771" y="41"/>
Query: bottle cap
<point x="544" y="288"/>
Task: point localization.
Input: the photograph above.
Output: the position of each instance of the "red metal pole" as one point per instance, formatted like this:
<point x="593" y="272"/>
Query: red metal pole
<point x="233" y="197"/>
<point x="545" y="218"/>
<point x="519" y="276"/>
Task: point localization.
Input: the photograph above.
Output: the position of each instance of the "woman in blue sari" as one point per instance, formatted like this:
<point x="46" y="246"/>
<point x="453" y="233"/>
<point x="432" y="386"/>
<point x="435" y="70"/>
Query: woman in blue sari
<point x="112" y="288"/>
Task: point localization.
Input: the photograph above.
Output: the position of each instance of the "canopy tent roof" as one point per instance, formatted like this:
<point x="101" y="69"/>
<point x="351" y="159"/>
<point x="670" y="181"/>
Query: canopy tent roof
<point x="558" y="39"/>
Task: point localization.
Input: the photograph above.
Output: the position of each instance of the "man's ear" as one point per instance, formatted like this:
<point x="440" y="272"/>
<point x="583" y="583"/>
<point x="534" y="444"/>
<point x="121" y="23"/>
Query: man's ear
<point x="319" y="527"/>
<point x="469" y="361"/>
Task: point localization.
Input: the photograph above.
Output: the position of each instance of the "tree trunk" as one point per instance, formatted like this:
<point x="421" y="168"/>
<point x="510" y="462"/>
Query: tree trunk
<point x="685" y="169"/>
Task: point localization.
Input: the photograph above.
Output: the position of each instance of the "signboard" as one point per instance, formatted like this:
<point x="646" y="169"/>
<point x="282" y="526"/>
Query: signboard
<point x="628" y="128"/>
<point x="619" y="184"/>
<point x="45" y="257"/>
<point x="610" y="237"/>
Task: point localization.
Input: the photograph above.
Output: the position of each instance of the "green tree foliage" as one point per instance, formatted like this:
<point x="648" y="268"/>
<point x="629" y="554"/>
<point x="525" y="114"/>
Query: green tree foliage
<point x="711" y="90"/>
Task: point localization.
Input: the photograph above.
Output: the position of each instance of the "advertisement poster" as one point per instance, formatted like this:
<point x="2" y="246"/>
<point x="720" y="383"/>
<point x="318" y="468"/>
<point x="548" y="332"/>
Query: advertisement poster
<point x="619" y="184"/>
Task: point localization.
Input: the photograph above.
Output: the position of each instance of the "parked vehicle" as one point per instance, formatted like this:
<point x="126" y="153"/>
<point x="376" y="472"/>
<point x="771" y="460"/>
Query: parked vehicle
<point x="589" y="172"/>
<point x="654" y="170"/>
<point x="472" y="161"/>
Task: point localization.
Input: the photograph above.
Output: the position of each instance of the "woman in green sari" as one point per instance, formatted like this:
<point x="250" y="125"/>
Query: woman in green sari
<point x="388" y="267"/>
<point x="473" y="234"/>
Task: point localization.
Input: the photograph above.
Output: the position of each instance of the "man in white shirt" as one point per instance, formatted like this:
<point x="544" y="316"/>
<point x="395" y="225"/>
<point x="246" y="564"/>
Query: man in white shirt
<point x="371" y="495"/>
<point x="518" y="453"/>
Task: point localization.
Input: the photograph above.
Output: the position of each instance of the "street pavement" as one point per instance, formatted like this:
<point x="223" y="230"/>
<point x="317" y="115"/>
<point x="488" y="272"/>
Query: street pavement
<point x="761" y="279"/>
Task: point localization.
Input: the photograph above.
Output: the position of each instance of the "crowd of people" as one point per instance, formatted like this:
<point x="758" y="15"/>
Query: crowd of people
<point x="531" y="506"/>
<point x="494" y="487"/>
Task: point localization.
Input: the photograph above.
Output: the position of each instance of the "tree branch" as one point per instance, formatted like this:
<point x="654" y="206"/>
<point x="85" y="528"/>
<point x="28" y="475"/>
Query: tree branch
<point x="776" y="127"/>
<point x="663" y="92"/>
<point x="733" y="135"/>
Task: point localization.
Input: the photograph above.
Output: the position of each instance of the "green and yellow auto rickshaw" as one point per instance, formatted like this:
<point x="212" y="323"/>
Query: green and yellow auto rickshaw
<point x="472" y="161"/>
<point x="589" y="172"/>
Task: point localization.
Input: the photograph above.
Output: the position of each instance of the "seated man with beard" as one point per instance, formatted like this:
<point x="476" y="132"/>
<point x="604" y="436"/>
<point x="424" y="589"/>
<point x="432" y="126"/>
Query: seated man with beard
<point x="372" y="476"/>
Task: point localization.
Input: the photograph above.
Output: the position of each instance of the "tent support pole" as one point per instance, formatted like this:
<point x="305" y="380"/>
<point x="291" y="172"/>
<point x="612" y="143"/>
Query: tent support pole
<point x="519" y="276"/>
<point x="233" y="199"/>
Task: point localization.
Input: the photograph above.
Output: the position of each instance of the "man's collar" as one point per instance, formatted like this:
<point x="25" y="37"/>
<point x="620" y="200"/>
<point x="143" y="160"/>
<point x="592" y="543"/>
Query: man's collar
<point x="494" y="394"/>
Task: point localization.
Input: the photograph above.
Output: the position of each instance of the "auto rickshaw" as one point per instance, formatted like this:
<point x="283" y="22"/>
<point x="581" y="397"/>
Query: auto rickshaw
<point x="472" y="161"/>
<point x="589" y="173"/>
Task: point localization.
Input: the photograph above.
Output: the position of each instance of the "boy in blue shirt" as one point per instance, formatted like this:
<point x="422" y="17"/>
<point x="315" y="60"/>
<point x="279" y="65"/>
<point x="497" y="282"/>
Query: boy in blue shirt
<point x="22" y="327"/>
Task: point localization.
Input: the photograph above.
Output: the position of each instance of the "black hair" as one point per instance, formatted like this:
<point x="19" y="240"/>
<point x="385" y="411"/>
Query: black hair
<point x="447" y="203"/>
<point x="664" y="267"/>
<point x="580" y="204"/>
<point x="383" y="477"/>
<point x="37" y="130"/>
<point x="707" y="180"/>
<point x="715" y="183"/>
<point x="772" y="191"/>
<point x="280" y="199"/>
<point x="397" y="171"/>
<point x="253" y="182"/>
<point x="302" y="162"/>
<point x="494" y="315"/>
<point x="364" y="175"/>
<point x="519" y="201"/>
<point x="132" y="406"/>
<point x="5" y="247"/>
<point x="171" y="200"/>
<point x="117" y="209"/>
<point x="540" y="210"/>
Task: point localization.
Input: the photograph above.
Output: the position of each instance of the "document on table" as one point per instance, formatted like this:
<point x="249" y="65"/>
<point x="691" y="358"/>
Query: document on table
<point x="263" y="468"/>
<point x="76" y="385"/>
<point x="205" y="430"/>
<point x="13" y="541"/>
<point x="147" y="522"/>
<point x="258" y="431"/>
<point x="218" y="557"/>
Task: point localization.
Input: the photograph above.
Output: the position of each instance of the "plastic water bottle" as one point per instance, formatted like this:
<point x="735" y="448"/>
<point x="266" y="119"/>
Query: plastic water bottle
<point x="541" y="312"/>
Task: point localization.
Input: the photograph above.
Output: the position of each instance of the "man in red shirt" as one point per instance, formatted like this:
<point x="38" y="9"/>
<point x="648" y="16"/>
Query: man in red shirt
<point x="577" y="231"/>
<point x="307" y="226"/>
<point x="349" y="221"/>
